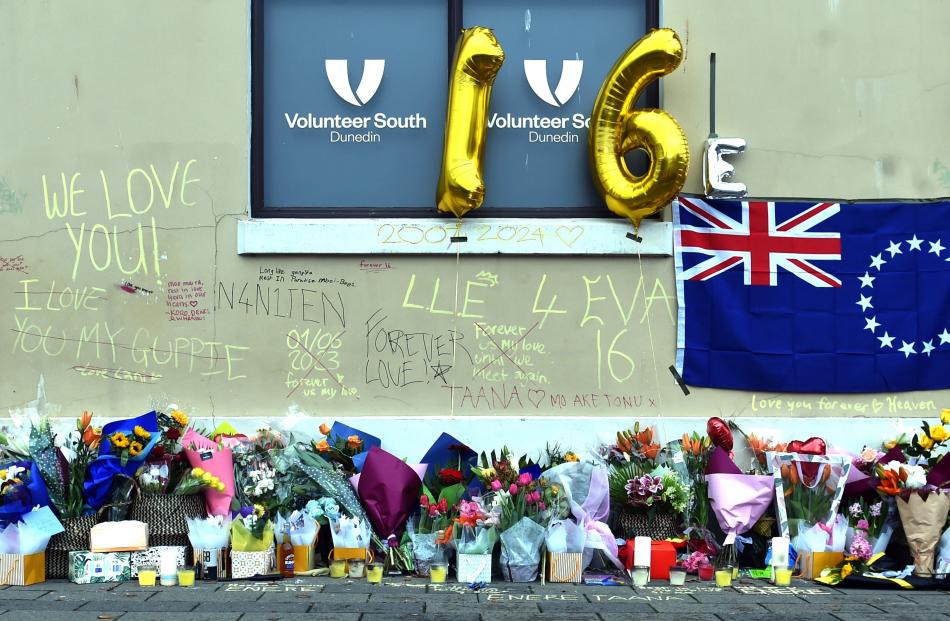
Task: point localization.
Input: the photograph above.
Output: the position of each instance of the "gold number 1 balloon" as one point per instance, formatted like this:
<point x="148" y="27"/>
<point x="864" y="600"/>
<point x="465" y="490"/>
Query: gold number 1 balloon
<point x="616" y="128"/>
<point x="478" y="57"/>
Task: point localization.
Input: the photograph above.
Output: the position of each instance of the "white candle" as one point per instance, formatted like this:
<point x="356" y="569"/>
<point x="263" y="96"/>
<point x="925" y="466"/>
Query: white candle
<point x="780" y="551"/>
<point x="641" y="551"/>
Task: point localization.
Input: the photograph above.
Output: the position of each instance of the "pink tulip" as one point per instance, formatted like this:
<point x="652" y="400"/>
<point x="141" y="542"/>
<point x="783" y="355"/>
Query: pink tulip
<point x="496" y="485"/>
<point x="542" y="506"/>
<point x="524" y="478"/>
<point x="512" y="489"/>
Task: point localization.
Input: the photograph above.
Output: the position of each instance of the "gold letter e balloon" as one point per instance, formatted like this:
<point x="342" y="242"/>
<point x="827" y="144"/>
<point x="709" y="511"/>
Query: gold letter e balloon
<point x="478" y="57"/>
<point x="616" y="129"/>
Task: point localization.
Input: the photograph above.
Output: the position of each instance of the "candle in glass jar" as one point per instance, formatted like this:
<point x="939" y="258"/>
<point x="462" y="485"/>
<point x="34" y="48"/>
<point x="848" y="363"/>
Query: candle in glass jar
<point x="374" y="573"/>
<point x="186" y="576"/>
<point x="724" y="576"/>
<point x="357" y="565"/>
<point x="640" y="575"/>
<point x="641" y="551"/>
<point x="337" y="568"/>
<point x="783" y="576"/>
<point x="147" y="575"/>
<point x="438" y="572"/>
<point x="677" y="575"/>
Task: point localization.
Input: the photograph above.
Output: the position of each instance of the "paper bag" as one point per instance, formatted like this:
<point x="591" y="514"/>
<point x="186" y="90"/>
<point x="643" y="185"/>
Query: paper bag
<point x="94" y="567"/>
<point x="22" y="569"/>
<point x="565" y="566"/>
<point x="153" y="556"/>
<point x="248" y="564"/>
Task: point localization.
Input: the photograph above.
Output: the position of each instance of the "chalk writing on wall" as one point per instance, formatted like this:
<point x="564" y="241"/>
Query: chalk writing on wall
<point x="100" y="243"/>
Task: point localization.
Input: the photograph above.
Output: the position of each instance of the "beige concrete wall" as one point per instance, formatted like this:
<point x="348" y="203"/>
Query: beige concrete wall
<point x="136" y="115"/>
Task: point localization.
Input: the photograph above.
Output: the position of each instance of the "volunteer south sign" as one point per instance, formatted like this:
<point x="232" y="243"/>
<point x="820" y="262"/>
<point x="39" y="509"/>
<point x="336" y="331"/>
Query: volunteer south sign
<point x="349" y="104"/>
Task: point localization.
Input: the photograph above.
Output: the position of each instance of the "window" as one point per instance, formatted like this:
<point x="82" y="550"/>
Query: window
<point x="349" y="98"/>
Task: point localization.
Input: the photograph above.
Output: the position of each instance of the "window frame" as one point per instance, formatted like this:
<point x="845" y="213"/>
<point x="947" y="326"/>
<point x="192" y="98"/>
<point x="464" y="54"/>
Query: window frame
<point x="258" y="210"/>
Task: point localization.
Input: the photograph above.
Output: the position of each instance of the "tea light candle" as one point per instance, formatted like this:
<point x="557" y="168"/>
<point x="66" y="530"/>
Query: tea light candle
<point x="724" y="577"/>
<point x="374" y="573"/>
<point x="147" y="575"/>
<point x="168" y="568"/>
<point x="357" y="566"/>
<point x="438" y="572"/>
<point x="640" y="575"/>
<point x="677" y="575"/>
<point x="783" y="576"/>
<point x="337" y="568"/>
<point x="186" y="576"/>
<point x="780" y="547"/>
<point x="641" y="551"/>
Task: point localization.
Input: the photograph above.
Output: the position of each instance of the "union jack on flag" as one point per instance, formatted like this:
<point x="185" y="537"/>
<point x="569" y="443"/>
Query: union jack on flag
<point x="816" y="297"/>
<point x="759" y="244"/>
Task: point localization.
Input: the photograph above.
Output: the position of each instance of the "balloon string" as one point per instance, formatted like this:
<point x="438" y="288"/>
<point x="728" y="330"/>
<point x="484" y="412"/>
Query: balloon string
<point x="455" y="317"/>
<point x="656" y="374"/>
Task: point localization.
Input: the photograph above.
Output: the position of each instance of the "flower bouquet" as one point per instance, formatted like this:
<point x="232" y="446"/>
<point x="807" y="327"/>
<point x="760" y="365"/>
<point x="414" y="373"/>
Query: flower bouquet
<point x="389" y="490"/>
<point x="872" y="519"/>
<point x="923" y="509"/>
<point x="808" y="491"/>
<point x="738" y="500"/>
<point x="647" y="503"/>
<point x="21" y="489"/>
<point x="476" y="533"/>
<point x="524" y="511"/>
<point x="345" y="446"/>
<point x="124" y="447"/>
<point x="252" y="544"/>
<point x="217" y="461"/>
<point x="432" y="531"/>
<point x="584" y="487"/>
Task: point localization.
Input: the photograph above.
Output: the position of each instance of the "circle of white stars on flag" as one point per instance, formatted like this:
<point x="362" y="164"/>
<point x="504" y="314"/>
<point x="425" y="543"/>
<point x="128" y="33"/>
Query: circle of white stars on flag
<point x="866" y="302"/>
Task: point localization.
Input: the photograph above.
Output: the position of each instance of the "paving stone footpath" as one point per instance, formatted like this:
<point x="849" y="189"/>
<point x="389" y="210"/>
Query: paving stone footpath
<point x="314" y="599"/>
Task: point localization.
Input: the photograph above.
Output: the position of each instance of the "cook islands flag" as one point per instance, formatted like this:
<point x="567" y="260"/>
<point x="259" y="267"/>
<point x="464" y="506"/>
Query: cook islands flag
<point x="813" y="296"/>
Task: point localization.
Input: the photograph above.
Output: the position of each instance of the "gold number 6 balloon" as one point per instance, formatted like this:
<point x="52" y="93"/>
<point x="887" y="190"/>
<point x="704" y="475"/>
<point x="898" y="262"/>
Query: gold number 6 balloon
<point x="478" y="57"/>
<point x="616" y="128"/>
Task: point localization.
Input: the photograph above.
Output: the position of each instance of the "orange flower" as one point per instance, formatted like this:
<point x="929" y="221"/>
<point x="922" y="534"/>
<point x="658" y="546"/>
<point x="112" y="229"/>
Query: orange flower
<point x="323" y="446"/>
<point x="85" y="420"/>
<point x="645" y="436"/>
<point x="354" y="442"/>
<point x="889" y="483"/>
<point x="91" y="436"/>
<point x="650" y="451"/>
<point x="325" y="429"/>
<point x="685" y="443"/>
<point x="623" y="442"/>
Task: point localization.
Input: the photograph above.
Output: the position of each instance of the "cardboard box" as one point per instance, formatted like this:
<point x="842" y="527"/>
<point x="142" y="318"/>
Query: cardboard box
<point x="22" y="569"/>
<point x="94" y="567"/>
<point x="565" y="567"/>
<point x="809" y="564"/>
<point x="662" y="555"/>
<point x="474" y="568"/>
<point x="248" y="564"/>
<point x="153" y="556"/>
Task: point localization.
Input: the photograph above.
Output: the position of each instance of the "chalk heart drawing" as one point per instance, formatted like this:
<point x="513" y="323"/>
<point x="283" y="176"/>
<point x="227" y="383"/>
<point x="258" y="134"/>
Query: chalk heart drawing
<point x="193" y="303"/>
<point x="536" y="396"/>
<point x="569" y="234"/>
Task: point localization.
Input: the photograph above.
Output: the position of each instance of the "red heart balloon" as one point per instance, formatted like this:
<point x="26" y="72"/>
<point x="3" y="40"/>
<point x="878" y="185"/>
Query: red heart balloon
<point x="719" y="432"/>
<point x="811" y="446"/>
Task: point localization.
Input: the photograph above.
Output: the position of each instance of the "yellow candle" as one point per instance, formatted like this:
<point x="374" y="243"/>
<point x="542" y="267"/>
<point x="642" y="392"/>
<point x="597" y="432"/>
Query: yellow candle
<point x="724" y="577"/>
<point x="374" y="573"/>
<point x="147" y="576"/>
<point x="337" y="568"/>
<point x="186" y="576"/>
<point x="783" y="577"/>
<point x="438" y="572"/>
